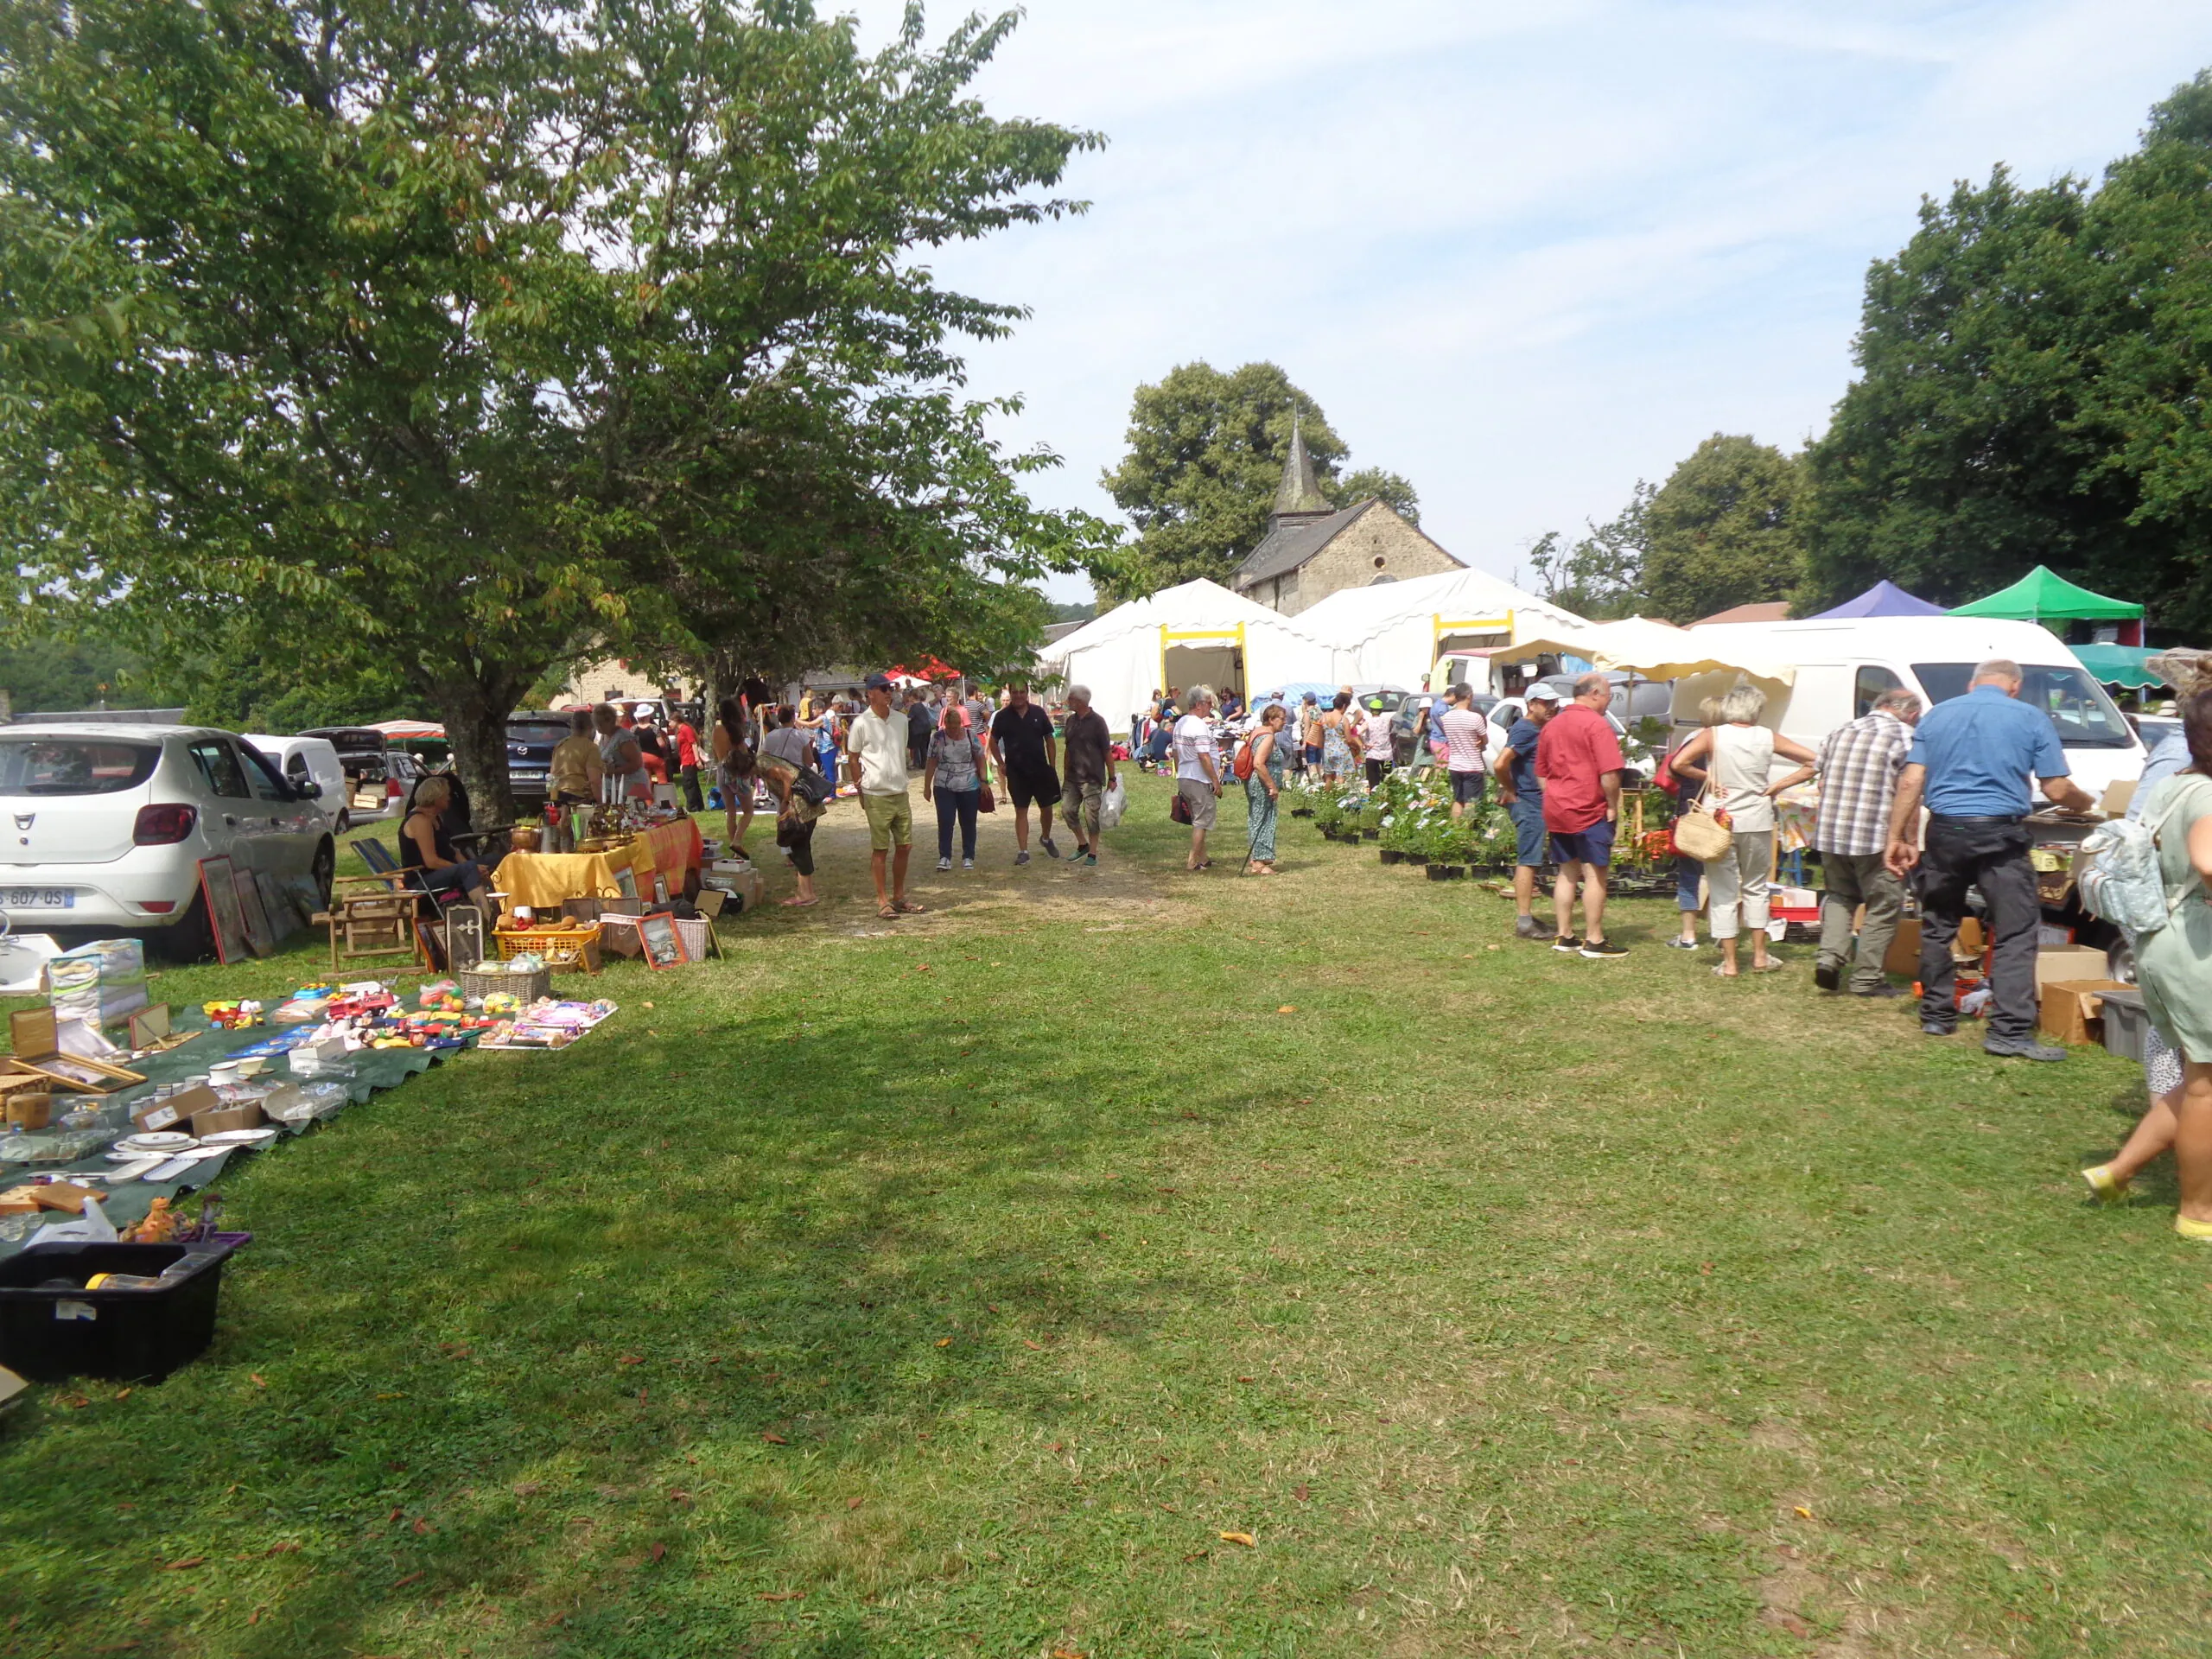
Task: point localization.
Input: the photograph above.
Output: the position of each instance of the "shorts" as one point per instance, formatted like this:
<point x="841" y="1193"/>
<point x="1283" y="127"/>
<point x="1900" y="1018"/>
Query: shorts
<point x="1594" y="846"/>
<point x="1041" y="788"/>
<point x="1197" y="795"/>
<point x="1313" y="753"/>
<point x="1468" y="786"/>
<point x="1530" y="839"/>
<point x="890" y="820"/>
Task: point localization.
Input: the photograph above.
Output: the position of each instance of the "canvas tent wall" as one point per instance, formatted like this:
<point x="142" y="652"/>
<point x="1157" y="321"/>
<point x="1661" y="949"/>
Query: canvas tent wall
<point x="1392" y="633"/>
<point x="1196" y="633"/>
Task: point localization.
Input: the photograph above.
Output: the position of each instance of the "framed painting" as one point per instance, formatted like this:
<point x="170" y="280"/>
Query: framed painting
<point x="283" y="916"/>
<point x="219" y="891"/>
<point x="663" y="942"/>
<point x="251" y="916"/>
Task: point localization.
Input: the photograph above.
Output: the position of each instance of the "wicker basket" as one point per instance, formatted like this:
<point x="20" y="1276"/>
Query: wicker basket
<point x="474" y="981"/>
<point x="575" y="946"/>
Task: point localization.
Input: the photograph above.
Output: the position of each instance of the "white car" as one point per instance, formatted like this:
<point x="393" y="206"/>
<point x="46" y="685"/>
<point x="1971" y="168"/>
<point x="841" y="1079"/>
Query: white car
<point x="105" y="828"/>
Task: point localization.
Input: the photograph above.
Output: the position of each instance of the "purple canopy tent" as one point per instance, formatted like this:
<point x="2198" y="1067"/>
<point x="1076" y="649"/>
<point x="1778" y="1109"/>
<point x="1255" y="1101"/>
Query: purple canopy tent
<point x="1885" y="598"/>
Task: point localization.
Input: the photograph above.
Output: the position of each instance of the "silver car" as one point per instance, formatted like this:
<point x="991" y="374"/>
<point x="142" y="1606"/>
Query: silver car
<point x="106" y="827"/>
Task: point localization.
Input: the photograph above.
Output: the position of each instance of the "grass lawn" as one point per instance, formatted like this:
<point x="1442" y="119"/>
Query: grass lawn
<point x="956" y="1286"/>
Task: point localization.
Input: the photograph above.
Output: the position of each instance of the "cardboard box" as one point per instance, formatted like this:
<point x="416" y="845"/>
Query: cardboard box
<point x="35" y="1035"/>
<point x="168" y="1114"/>
<point x="216" y="1120"/>
<point x="2071" y="1010"/>
<point x="2073" y="961"/>
<point x="1903" y="956"/>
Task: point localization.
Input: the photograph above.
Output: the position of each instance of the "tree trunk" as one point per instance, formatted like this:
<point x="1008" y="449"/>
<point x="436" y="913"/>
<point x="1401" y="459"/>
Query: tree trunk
<point x="476" y="724"/>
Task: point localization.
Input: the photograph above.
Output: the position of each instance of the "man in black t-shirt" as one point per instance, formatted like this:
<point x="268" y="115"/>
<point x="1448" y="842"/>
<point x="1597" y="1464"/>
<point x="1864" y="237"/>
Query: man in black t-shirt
<point x="1023" y="750"/>
<point x="919" y="724"/>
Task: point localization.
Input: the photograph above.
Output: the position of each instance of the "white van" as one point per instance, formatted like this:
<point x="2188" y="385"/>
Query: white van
<point x="1845" y="663"/>
<point x="302" y="760"/>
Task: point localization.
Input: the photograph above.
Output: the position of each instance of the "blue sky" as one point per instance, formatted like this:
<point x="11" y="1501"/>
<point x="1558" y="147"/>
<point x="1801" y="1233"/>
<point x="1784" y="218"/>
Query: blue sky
<point x="1523" y="254"/>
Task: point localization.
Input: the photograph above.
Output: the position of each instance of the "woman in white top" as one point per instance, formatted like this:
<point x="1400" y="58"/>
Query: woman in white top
<point x="1733" y="762"/>
<point x="1198" y="771"/>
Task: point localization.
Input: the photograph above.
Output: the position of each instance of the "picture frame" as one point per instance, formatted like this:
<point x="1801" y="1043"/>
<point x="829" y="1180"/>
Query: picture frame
<point x="35" y="1036"/>
<point x="284" y="918"/>
<point x="627" y="881"/>
<point x="663" y="942"/>
<point x="431" y="946"/>
<point x="219" y="891"/>
<point x="259" y="937"/>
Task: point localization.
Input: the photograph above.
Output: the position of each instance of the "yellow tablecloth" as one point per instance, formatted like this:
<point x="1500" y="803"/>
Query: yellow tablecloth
<point x="543" y="880"/>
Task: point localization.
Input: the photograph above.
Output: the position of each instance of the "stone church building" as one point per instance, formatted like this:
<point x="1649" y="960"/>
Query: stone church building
<point x="1312" y="550"/>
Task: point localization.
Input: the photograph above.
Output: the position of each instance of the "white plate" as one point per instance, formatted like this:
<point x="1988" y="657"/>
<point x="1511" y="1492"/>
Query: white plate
<point x="131" y="1171"/>
<point x="239" y="1138"/>
<point x="157" y="1139"/>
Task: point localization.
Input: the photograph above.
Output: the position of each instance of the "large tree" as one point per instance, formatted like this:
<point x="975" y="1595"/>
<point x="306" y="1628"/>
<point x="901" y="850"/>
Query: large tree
<point x="1726" y="529"/>
<point x="458" y="336"/>
<point x="2035" y="370"/>
<point x="1601" y="575"/>
<point x="1205" y="459"/>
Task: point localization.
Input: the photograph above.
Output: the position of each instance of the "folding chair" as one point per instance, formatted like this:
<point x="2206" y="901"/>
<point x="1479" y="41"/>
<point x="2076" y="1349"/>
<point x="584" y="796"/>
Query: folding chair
<point x="396" y="880"/>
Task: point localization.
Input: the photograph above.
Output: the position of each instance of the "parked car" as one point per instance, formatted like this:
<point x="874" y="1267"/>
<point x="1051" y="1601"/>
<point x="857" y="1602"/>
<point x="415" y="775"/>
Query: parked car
<point x="303" y="761"/>
<point x="108" y="825"/>
<point x="531" y="738"/>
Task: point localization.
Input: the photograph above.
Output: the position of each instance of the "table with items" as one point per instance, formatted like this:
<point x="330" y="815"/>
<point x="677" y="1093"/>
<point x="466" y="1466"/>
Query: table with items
<point x="623" y="865"/>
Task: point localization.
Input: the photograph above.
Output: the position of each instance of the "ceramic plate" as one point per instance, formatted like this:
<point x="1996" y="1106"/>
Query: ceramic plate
<point x="131" y="1171"/>
<point x="239" y="1138"/>
<point x="157" y="1141"/>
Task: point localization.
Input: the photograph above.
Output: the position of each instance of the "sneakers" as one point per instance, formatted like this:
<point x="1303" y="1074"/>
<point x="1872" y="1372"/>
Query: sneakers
<point x="967" y="863"/>
<point x="1089" y="860"/>
<point x="944" y="863"/>
<point x="1021" y="857"/>
<point x="1567" y="944"/>
<point x="1524" y="927"/>
<point x="2022" y="1050"/>
<point x="1828" y="976"/>
<point x="1930" y="1028"/>
<point x="1603" y="950"/>
<point x="1884" y="989"/>
<point x="1050" y="851"/>
<point x="1679" y="943"/>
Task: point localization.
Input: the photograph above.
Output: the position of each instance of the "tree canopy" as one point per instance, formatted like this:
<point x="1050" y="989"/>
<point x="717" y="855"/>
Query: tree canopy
<point x="1205" y="457"/>
<point x="2034" y="370"/>
<point x="458" y="338"/>
<point x="1726" y="529"/>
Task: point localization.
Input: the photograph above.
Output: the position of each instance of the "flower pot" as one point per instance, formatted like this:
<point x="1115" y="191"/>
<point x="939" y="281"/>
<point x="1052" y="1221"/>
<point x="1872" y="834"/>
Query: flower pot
<point x="1390" y="855"/>
<point x="1447" y="871"/>
<point x="1417" y="858"/>
<point x="1371" y="835"/>
<point x="1301" y="811"/>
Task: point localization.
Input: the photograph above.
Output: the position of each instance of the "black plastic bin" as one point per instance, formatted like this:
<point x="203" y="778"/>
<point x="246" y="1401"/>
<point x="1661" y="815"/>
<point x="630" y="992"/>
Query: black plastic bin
<point x="51" y="1331"/>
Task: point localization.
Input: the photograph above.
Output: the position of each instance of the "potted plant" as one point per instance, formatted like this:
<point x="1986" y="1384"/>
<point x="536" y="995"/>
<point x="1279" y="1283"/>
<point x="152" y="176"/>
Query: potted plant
<point x="1447" y="849"/>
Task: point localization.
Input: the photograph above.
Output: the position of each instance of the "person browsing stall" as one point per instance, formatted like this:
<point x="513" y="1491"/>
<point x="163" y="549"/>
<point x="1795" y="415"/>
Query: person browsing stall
<point x="1971" y="762"/>
<point x="875" y="746"/>
<point x="1579" y="760"/>
<point x="1023" y="750"/>
<point x="1522" y="793"/>
<point x="1090" y="755"/>
<point x="1859" y="768"/>
<point x="574" y="772"/>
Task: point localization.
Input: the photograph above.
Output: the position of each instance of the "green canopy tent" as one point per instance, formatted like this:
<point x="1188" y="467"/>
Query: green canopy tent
<point x="2044" y="595"/>
<point x="2127" y="665"/>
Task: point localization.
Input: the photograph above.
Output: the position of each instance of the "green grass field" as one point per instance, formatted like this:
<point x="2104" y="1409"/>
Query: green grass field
<point x="956" y="1286"/>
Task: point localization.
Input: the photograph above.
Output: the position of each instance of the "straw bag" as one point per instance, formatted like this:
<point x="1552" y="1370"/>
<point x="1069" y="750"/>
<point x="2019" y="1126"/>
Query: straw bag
<point x="1698" y="834"/>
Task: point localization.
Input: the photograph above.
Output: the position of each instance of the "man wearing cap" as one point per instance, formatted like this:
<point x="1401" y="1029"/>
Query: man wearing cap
<point x="876" y="745"/>
<point x="1971" y="759"/>
<point x="1522" y="792"/>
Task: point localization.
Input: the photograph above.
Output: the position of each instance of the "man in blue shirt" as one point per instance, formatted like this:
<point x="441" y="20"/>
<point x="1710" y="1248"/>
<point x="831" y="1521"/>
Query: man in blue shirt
<point x="1522" y="793"/>
<point x="1970" y="760"/>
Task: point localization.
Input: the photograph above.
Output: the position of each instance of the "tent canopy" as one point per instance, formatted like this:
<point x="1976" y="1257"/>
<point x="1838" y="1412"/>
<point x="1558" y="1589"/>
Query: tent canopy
<point x="2044" y="595"/>
<point x="1885" y="598"/>
<point x="1389" y="633"/>
<point x="1196" y="633"/>
<point x="2128" y="665"/>
<point x="1657" y="651"/>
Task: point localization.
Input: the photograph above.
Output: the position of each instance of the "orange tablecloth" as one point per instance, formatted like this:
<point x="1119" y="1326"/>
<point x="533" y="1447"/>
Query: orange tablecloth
<point x="545" y="878"/>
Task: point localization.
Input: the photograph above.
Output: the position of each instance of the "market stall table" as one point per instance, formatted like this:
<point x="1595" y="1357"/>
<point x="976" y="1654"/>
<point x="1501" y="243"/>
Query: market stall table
<point x="545" y="880"/>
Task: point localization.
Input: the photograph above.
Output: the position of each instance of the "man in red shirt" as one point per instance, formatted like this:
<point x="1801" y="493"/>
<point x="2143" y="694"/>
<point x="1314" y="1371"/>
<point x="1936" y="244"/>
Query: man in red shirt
<point x="1579" y="760"/>
<point x="687" y="761"/>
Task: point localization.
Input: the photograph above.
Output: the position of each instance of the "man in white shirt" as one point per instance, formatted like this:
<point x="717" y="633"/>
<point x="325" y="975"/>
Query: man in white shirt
<point x="875" y="749"/>
<point x="1198" y="771"/>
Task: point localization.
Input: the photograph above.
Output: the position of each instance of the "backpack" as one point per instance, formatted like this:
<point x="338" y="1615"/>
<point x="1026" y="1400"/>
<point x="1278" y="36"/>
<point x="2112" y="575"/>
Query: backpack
<point x="1241" y="765"/>
<point x="2122" y="883"/>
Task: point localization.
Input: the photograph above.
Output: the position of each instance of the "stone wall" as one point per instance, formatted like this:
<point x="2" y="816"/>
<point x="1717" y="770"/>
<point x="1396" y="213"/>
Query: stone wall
<point x="1376" y="544"/>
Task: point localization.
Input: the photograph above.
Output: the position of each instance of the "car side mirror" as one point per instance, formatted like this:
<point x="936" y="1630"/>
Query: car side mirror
<point x="311" y="790"/>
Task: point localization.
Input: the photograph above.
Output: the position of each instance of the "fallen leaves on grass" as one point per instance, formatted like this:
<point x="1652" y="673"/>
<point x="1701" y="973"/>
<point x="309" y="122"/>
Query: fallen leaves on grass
<point x="772" y="1438"/>
<point x="1244" y="1538"/>
<point x="1301" y="1493"/>
<point x="852" y="1503"/>
<point x="944" y="1342"/>
<point x="288" y="1548"/>
<point x="422" y="1527"/>
<point x="630" y="1359"/>
<point x="1288" y="1007"/>
<point x="181" y="1566"/>
<point x="412" y="1578"/>
<point x="659" y="1550"/>
<point x="528" y="1488"/>
<point x="1038" y="1346"/>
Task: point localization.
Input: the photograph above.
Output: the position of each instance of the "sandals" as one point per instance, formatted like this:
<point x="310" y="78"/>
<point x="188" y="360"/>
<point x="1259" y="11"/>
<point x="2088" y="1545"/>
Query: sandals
<point x="908" y="907"/>
<point x="889" y="913"/>
<point x="801" y="904"/>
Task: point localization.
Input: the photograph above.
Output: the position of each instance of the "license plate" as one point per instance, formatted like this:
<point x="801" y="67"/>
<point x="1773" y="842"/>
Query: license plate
<point x="38" y="897"/>
<point x="528" y="777"/>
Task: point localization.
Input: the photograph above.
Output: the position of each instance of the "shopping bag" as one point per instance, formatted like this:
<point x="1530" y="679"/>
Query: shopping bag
<point x="1698" y="833"/>
<point x="1113" y="804"/>
<point x="1179" y="809"/>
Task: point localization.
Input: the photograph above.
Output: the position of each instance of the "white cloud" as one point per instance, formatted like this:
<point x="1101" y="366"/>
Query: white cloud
<point x="1523" y="254"/>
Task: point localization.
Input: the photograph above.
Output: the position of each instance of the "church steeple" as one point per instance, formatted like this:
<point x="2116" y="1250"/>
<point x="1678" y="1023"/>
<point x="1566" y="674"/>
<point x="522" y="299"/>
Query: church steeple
<point x="1298" y="496"/>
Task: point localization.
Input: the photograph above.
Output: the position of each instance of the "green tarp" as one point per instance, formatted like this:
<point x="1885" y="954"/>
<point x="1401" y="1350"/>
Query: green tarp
<point x="2128" y="665"/>
<point x="2044" y="595"/>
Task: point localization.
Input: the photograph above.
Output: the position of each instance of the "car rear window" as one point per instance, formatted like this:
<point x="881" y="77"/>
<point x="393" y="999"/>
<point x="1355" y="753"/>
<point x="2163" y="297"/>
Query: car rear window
<point x="74" y="765"/>
<point x="537" y="731"/>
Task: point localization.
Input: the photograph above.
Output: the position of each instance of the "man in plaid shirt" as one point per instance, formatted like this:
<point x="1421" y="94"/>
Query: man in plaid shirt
<point x="1858" y="765"/>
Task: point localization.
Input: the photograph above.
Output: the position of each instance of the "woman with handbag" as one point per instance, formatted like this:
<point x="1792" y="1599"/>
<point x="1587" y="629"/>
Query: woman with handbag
<point x="1689" y="872"/>
<point x="953" y="776"/>
<point x="1733" y="761"/>
<point x="786" y="766"/>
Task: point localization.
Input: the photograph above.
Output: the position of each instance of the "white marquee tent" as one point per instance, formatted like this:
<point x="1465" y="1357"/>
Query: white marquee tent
<point x="1196" y="633"/>
<point x="1390" y="633"/>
